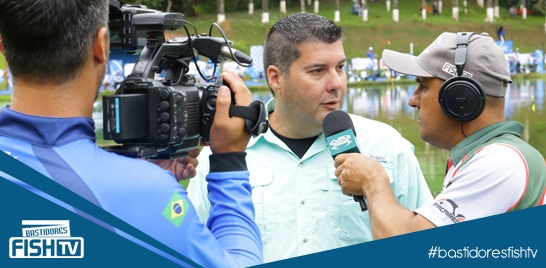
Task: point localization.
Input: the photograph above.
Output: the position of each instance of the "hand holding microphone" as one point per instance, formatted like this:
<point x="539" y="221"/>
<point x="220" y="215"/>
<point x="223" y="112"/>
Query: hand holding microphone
<point x="340" y="138"/>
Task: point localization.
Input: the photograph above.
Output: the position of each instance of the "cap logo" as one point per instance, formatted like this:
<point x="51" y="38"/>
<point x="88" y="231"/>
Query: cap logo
<point x="452" y="70"/>
<point x="436" y="42"/>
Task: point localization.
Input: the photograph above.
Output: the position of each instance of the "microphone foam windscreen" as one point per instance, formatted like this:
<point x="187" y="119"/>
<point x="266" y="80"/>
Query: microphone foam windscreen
<point x="337" y="121"/>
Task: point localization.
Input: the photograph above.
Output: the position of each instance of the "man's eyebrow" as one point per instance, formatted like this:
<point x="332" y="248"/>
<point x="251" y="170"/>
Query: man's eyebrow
<point x="314" y="65"/>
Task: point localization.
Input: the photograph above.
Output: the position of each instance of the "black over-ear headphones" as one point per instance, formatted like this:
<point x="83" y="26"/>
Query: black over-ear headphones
<point x="461" y="97"/>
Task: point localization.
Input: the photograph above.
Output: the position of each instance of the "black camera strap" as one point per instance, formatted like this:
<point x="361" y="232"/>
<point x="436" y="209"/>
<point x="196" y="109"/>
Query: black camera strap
<point x="255" y="115"/>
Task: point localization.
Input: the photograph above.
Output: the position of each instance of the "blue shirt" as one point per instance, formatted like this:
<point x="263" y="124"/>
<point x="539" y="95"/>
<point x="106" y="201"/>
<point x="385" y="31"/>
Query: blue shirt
<point x="137" y="191"/>
<point x="299" y="205"/>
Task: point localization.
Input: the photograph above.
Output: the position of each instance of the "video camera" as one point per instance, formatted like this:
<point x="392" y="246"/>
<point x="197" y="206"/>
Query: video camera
<point x="166" y="118"/>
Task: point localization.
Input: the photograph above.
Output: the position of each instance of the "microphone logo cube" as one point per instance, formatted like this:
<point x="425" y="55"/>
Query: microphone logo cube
<point x="342" y="142"/>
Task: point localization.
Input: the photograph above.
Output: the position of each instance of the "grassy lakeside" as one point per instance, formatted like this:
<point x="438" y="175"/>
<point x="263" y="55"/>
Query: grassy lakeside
<point x="245" y="30"/>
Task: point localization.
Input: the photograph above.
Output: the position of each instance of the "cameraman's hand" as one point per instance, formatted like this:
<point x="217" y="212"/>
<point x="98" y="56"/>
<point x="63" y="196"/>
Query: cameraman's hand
<point x="182" y="168"/>
<point x="228" y="134"/>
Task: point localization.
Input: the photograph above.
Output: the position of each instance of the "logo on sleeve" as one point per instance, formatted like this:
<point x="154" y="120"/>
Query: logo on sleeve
<point x="448" y="207"/>
<point x="176" y="209"/>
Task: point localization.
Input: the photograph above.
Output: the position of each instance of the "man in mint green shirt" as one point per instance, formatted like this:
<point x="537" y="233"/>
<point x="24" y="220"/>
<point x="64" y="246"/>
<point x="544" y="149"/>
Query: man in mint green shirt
<point x="299" y="206"/>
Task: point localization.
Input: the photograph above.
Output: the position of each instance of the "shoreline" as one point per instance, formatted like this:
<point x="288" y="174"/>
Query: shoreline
<point x="6" y="98"/>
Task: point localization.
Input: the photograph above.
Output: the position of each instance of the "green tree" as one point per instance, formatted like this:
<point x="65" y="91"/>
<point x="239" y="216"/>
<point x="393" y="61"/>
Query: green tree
<point x="221" y="11"/>
<point x="424" y="9"/>
<point x="455" y="10"/>
<point x="395" y="11"/>
<point x="265" y="11"/>
<point x="489" y="14"/>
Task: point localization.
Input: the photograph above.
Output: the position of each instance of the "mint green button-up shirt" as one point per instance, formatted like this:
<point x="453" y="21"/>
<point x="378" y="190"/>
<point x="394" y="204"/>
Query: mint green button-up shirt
<point x="299" y="205"/>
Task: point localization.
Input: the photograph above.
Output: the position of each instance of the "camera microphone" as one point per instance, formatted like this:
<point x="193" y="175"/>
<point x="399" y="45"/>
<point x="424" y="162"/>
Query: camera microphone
<point x="340" y="138"/>
<point x="214" y="47"/>
<point x="240" y="56"/>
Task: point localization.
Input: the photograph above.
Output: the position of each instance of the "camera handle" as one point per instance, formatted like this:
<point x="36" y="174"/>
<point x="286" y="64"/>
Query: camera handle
<point x="255" y="115"/>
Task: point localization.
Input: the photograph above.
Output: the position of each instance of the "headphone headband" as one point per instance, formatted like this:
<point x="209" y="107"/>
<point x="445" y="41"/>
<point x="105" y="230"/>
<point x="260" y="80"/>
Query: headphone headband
<point x="461" y="97"/>
<point x="463" y="38"/>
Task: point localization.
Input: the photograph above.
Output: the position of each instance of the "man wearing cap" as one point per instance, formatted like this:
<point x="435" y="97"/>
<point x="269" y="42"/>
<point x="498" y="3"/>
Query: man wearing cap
<point x="462" y="81"/>
<point x="370" y="53"/>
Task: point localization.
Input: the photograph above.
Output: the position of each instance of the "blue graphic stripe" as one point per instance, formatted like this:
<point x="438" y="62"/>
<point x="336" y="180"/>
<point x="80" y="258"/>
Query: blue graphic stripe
<point x="25" y="174"/>
<point x="60" y="172"/>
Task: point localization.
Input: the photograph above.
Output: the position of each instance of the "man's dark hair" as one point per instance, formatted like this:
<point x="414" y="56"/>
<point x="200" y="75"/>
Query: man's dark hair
<point x="280" y="48"/>
<point x="49" y="41"/>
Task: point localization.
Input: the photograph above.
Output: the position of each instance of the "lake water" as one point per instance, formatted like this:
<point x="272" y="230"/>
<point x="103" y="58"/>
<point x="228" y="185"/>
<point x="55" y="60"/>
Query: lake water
<point x="388" y="103"/>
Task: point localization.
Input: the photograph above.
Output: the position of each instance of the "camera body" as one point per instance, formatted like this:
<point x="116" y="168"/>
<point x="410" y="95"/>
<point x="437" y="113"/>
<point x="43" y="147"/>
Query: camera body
<point x="165" y="118"/>
<point x="122" y="32"/>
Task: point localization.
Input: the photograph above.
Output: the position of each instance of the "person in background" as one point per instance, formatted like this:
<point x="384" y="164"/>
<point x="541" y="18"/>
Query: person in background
<point x="435" y="10"/>
<point x="501" y="35"/>
<point x="370" y="53"/>
<point x="49" y="127"/>
<point x="375" y="67"/>
<point x="491" y="170"/>
<point x="513" y="12"/>
<point x="517" y="60"/>
<point x="300" y="208"/>
<point x="356" y="9"/>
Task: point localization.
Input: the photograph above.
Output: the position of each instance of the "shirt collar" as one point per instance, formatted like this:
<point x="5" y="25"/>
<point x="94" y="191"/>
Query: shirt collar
<point x="46" y="131"/>
<point x="482" y="136"/>
<point x="317" y="147"/>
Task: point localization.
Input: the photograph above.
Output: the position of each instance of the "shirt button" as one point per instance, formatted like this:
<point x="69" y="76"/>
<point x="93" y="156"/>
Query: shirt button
<point x="304" y="240"/>
<point x="303" y="202"/>
<point x="301" y="164"/>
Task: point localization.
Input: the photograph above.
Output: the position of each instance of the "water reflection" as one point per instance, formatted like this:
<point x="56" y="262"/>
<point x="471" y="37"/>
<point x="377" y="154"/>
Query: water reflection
<point x="388" y="104"/>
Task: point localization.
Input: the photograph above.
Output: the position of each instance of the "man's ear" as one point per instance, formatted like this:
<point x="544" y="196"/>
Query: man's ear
<point x="274" y="77"/>
<point x="101" y="46"/>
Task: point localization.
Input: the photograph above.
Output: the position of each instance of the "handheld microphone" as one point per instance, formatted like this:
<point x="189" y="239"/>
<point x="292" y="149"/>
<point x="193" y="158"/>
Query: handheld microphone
<point x="340" y="137"/>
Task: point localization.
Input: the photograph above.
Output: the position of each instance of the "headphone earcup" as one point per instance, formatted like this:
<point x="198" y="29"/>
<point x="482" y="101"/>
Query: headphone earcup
<point x="462" y="98"/>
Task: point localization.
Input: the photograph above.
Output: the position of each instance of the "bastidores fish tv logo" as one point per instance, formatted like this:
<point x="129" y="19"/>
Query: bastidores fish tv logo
<point x="341" y="141"/>
<point x="46" y="239"/>
<point x="448" y="207"/>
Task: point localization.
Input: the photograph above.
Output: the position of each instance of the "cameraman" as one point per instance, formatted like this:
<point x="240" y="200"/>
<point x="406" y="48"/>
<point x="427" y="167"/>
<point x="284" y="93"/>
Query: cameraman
<point x="58" y="51"/>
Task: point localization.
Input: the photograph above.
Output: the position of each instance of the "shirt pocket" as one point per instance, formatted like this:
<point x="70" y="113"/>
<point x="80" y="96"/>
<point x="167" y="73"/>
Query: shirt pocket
<point x="264" y="213"/>
<point x="346" y="219"/>
<point x="388" y="163"/>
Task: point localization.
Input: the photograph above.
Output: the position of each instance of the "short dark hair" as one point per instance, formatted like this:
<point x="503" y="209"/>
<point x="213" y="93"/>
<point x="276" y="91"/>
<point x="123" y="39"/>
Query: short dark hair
<point x="280" y="48"/>
<point x="49" y="41"/>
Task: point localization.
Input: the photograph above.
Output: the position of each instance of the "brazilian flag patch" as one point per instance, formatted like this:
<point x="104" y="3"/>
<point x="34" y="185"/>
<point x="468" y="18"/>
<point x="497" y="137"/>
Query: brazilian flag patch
<point x="176" y="209"/>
